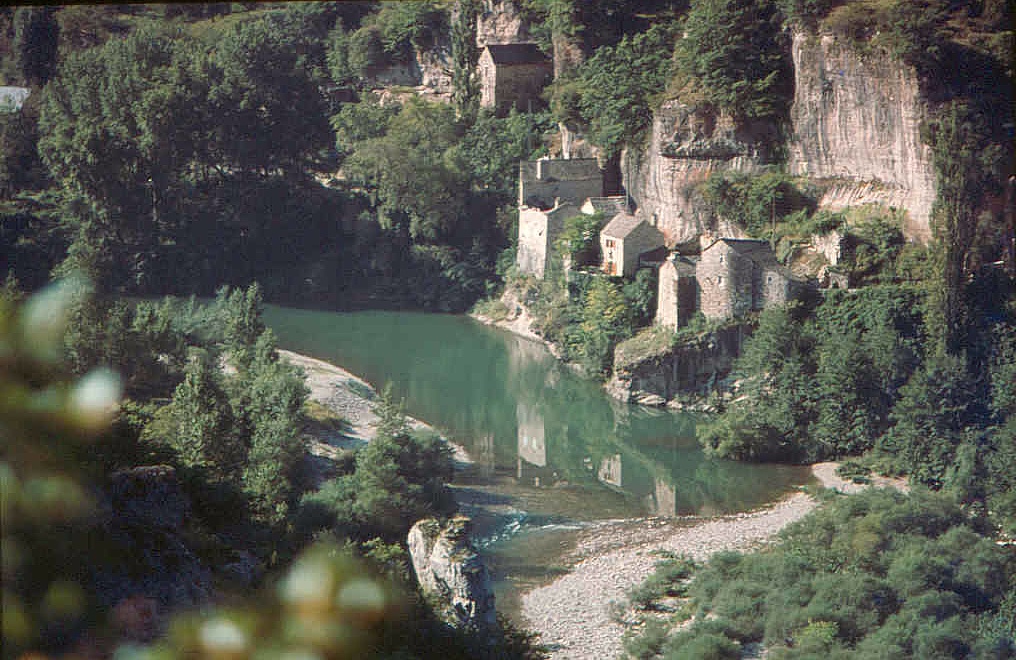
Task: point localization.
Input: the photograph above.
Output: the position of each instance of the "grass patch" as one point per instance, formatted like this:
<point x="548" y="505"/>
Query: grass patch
<point x="651" y="341"/>
<point x="491" y="308"/>
<point x="319" y="417"/>
<point x="670" y="580"/>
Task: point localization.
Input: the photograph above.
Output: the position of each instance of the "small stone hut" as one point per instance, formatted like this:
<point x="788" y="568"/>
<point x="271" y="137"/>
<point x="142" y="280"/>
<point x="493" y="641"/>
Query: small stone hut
<point x="623" y="240"/>
<point x="513" y="75"/>
<point x="730" y="278"/>
<point x="737" y="276"/>
<point x="538" y="229"/>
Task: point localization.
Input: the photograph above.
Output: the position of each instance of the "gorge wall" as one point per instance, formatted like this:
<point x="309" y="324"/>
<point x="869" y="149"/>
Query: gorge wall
<point x="854" y="126"/>
<point x="685" y="148"/>
<point x="856" y="122"/>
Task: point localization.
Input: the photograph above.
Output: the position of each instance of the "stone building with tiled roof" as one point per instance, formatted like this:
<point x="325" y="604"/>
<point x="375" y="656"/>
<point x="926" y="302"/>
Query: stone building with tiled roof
<point x="623" y="240"/>
<point x="513" y="75"/>
<point x="730" y="278"/>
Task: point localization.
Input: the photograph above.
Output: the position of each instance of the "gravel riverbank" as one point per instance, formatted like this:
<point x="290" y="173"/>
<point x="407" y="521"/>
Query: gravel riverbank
<point x="573" y="614"/>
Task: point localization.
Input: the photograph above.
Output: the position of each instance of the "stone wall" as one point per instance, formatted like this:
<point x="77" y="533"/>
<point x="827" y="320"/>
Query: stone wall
<point x="538" y="229"/>
<point x="642" y="238"/>
<point x="677" y="294"/>
<point x="543" y="181"/>
<point x="717" y="279"/>
<point x="856" y="119"/>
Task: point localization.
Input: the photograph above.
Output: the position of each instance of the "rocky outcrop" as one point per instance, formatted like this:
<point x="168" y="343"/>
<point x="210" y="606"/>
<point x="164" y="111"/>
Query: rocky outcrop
<point x="693" y="368"/>
<point x="501" y="22"/>
<point x="143" y="533"/>
<point x="685" y="148"/>
<point x="448" y="567"/>
<point x="856" y="121"/>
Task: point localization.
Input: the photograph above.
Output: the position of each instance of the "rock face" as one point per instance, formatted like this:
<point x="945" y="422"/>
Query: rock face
<point x="144" y="532"/>
<point x="447" y="566"/>
<point x="693" y="368"/>
<point x="856" y="120"/>
<point x="684" y="149"/>
<point x="501" y="22"/>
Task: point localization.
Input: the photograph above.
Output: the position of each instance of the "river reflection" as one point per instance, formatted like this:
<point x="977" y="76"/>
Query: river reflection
<point x="522" y="415"/>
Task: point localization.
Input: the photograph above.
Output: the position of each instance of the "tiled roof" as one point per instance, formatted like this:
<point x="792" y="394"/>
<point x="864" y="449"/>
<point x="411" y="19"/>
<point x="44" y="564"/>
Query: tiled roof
<point x="525" y="53"/>
<point x="621" y="225"/>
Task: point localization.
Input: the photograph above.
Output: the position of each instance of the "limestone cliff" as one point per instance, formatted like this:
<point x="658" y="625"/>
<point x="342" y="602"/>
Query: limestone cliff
<point x="685" y="147"/>
<point x="448" y="567"/>
<point x="856" y="120"/>
<point x="854" y="125"/>
<point x="501" y="22"/>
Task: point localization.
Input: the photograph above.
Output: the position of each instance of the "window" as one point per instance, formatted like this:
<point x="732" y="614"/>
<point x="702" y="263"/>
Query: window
<point x="721" y="258"/>
<point x="610" y="242"/>
<point x="719" y="279"/>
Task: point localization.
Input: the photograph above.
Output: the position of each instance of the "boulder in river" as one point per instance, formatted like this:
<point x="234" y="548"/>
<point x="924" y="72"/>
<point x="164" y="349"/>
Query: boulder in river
<point x="448" y="567"/>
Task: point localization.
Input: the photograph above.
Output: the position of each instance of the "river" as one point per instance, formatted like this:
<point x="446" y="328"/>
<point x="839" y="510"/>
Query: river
<point x="551" y="451"/>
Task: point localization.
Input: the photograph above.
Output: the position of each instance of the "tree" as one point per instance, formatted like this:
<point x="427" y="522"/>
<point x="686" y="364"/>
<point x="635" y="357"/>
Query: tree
<point x="733" y="57"/>
<point x="36" y="37"/>
<point x="465" y="55"/>
<point x="117" y="132"/>
<point x="616" y="86"/>
<point x="966" y="162"/>
<point x="264" y="105"/>
<point x="274" y="394"/>
<point x="415" y="187"/>
<point x="201" y="422"/>
<point x="398" y="480"/>
<point x="241" y="322"/>
<point x="930" y="417"/>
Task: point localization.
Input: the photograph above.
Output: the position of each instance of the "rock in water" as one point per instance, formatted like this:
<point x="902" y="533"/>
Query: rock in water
<point x="448" y="567"/>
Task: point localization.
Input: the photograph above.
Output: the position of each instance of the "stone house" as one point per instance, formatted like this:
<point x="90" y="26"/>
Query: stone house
<point x="513" y="76"/>
<point x="542" y="181"/>
<point x="624" y="240"/>
<point x="730" y="278"/>
<point x="538" y="229"/>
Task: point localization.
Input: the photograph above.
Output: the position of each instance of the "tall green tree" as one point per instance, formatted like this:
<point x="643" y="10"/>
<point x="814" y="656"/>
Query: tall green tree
<point x="967" y="163"/>
<point x="264" y="103"/>
<point x="465" y="56"/>
<point x="201" y="422"/>
<point x="415" y="186"/>
<point x="117" y="129"/>
<point x="617" y="85"/>
<point x="36" y="38"/>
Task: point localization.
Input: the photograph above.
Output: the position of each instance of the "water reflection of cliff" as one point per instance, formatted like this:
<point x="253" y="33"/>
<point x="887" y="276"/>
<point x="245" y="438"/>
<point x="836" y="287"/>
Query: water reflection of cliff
<point x="518" y="411"/>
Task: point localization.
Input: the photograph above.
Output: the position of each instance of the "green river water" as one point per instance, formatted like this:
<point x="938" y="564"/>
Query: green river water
<point x="551" y="451"/>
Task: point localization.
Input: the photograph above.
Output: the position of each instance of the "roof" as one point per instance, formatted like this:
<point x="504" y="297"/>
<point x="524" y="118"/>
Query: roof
<point x="757" y="250"/>
<point x="509" y="54"/>
<point x="607" y="205"/>
<point x="12" y="98"/>
<point x="685" y="266"/>
<point x="621" y="225"/>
